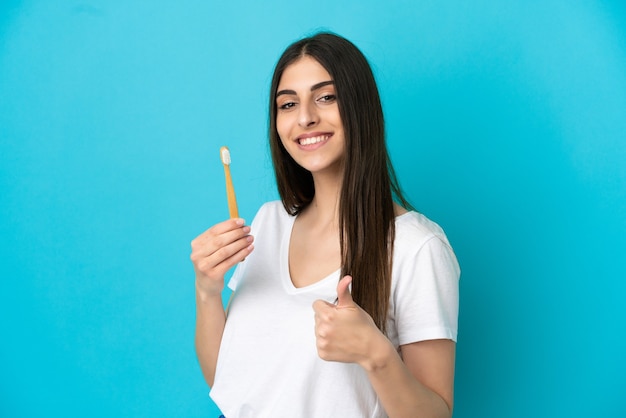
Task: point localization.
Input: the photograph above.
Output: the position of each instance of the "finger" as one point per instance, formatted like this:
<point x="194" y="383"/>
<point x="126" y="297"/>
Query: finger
<point x="227" y="225"/>
<point x="218" y="236"/>
<point x="320" y="306"/>
<point x="236" y="250"/>
<point x="226" y="264"/>
<point x="219" y="229"/>
<point x="236" y="237"/>
<point x="344" y="297"/>
<point x="211" y="259"/>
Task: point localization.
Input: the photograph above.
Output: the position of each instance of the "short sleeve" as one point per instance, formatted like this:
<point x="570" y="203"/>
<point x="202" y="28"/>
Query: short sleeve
<point x="426" y="293"/>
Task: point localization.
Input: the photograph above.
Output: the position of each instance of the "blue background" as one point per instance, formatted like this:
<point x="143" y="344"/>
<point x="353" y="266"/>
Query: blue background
<point x="506" y="124"/>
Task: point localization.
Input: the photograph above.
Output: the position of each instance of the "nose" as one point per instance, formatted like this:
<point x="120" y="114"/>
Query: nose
<point x="308" y="115"/>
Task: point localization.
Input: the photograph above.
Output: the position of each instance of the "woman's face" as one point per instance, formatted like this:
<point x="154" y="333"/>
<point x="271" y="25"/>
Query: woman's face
<point x="307" y="117"/>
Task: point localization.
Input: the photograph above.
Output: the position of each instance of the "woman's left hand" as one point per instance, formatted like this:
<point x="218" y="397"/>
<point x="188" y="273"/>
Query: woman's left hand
<point x="344" y="332"/>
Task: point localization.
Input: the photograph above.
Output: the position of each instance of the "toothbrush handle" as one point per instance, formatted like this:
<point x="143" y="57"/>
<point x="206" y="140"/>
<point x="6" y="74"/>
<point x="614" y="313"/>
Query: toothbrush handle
<point x="230" y="193"/>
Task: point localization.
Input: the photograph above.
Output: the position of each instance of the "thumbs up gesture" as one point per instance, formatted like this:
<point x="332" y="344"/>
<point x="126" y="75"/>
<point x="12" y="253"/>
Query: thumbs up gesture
<point x="344" y="332"/>
<point x="344" y="297"/>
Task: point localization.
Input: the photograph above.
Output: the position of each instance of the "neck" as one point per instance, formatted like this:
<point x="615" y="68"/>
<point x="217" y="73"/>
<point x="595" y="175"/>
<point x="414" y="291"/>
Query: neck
<point x="324" y="208"/>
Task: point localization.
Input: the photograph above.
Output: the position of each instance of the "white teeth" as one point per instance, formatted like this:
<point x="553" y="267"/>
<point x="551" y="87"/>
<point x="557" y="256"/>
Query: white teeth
<point x="314" y="140"/>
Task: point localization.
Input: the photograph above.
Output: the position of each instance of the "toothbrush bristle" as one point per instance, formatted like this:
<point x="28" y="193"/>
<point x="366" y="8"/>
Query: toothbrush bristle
<point x="225" y="155"/>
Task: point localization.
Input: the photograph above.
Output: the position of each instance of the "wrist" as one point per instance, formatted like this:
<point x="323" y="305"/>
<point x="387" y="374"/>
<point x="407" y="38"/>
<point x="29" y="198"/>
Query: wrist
<point x="205" y="295"/>
<point x="381" y="354"/>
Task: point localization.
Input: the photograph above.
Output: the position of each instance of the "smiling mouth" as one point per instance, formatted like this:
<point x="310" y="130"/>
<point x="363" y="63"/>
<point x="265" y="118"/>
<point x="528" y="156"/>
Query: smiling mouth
<point x="313" y="140"/>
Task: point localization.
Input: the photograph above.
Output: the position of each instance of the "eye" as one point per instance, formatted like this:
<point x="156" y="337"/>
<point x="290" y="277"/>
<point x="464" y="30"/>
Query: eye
<point x="286" y="105"/>
<point x="327" y="98"/>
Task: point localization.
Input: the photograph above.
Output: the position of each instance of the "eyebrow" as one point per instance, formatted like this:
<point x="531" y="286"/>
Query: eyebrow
<point x="313" y="88"/>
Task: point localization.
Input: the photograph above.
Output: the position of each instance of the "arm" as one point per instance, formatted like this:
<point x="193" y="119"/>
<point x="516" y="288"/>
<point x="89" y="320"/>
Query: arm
<point x="210" y="322"/>
<point x="422" y="380"/>
<point x="213" y="253"/>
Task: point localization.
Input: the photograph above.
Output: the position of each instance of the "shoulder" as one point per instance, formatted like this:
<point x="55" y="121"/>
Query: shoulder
<point x="425" y="282"/>
<point x="414" y="229"/>
<point x="272" y="208"/>
<point x="421" y="244"/>
<point x="271" y="213"/>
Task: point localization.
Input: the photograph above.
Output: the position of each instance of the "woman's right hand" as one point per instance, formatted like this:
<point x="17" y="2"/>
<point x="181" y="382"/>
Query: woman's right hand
<point x="218" y="249"/>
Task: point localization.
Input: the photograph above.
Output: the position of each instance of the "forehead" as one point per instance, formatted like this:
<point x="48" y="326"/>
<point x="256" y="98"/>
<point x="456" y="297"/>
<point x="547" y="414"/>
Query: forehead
<point x="303" y="73"/>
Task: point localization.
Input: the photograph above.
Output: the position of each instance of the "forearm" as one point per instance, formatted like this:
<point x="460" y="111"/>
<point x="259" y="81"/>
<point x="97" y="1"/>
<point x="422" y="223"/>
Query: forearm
<point x="210" y="322"/>
<point x="400" y="393"/>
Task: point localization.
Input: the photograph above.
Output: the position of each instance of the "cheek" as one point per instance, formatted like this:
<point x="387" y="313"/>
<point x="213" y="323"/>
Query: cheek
<point x="337" y="119"/>
<point x="282" y="127"/>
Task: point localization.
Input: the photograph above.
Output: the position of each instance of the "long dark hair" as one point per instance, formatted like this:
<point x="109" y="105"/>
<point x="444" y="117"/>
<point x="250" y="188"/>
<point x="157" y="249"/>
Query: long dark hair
<point x="366" y="206"/>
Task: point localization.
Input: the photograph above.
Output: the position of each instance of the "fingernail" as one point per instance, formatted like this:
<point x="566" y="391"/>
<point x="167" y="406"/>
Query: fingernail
<point x="240" y="221"/>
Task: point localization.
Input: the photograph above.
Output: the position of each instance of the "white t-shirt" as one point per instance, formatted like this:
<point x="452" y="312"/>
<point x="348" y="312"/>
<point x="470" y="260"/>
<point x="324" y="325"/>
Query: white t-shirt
<point x="268" y="364"/>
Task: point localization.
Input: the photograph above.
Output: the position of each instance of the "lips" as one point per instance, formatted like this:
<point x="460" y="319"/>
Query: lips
<point x="310" y="140"/>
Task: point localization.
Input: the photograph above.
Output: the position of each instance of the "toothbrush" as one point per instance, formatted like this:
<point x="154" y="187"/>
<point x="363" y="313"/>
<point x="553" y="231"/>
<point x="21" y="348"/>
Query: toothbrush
<point x="230" y="191"/>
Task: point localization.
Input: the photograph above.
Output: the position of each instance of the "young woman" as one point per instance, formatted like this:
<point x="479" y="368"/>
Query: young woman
<point x="345" y="302"/>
